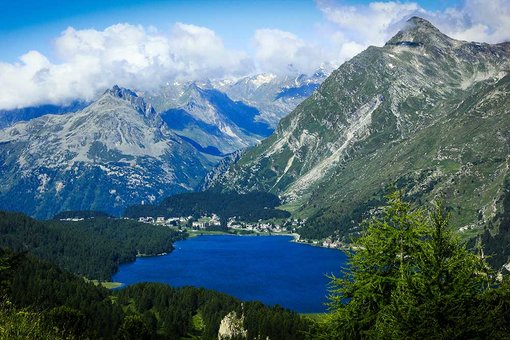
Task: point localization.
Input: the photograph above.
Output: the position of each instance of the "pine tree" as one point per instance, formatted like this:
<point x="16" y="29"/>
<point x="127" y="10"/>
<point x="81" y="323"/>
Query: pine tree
<point x="408" y="276"/>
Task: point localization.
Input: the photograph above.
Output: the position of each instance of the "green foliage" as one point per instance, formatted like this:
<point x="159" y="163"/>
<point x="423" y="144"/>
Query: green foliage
<point x="72" y="322"/>
<point x="70" y="307"/>
<point x="70" y="303"/>
<point x="248" y="207"/>
<point x="93" y="247"/>
<point x="176" y="312"/>
<point x="133" y="327"/>
<point x="22" y="324"/>
<point x="410" y="277"/>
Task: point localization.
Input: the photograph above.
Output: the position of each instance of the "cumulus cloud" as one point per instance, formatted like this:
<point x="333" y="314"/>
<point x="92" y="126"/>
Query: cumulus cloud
<point x="477" y="20"/>
<point x="132" y="56"/>
<point x="123" y="54"/>
<point x="355" y="27"/>
<point x="370" y="24"/>
<point x="283" y="52"/>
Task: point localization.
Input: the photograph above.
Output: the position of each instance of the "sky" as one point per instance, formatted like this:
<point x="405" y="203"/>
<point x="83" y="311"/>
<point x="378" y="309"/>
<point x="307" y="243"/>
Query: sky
<point x="55" y="51"/>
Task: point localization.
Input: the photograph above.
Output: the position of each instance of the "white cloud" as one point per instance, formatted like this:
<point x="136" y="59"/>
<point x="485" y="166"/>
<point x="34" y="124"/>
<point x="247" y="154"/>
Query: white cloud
<point x="355" y="27"/>
<point x="283" y="52"/>
<point x="477" y="20"/>
<point x="123" y="54"/>
<point x="133" y="56"/>
<point x="370" y="24"/>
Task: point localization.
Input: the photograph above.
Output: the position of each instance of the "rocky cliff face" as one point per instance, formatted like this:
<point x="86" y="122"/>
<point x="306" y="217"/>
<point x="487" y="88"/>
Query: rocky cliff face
<point x="426" y="113"/>
<point x="113" y="153"/>
<point x="232" y="327"/>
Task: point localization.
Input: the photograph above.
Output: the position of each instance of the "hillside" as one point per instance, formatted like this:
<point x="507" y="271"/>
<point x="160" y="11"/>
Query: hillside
<point x="425" y="113"/>
<point x="93" y="247"/>
<point x="115" y="152"/>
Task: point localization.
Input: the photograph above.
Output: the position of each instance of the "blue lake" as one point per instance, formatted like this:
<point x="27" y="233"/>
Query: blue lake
<point x="271" y="269"/>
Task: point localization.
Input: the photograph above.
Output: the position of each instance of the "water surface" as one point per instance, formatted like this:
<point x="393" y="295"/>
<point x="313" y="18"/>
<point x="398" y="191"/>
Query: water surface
<point x="270" y="269"/>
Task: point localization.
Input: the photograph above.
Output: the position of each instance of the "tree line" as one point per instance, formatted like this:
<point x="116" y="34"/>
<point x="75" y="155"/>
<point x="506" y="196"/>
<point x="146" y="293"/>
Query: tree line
<point x="249" y="207"/>
<point x="92" y="247"/>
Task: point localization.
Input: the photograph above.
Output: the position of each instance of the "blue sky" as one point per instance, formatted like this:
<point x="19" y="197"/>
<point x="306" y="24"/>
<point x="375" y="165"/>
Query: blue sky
<point x="54" y="51"/>
<point x="27" y="25"/>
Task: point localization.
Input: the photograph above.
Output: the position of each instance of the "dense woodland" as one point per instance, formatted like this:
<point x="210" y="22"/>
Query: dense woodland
<point x="249" y="207"/>
<point x="92" y="247"/>
<point x="52" y="303"/>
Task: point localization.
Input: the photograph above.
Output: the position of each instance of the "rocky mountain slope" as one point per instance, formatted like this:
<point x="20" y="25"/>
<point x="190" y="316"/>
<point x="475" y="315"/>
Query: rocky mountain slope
<point x="273" y="95"/>
<point x="115" y="152"/>
<point x="214" y="121"/>
<point x="425" y="113"/>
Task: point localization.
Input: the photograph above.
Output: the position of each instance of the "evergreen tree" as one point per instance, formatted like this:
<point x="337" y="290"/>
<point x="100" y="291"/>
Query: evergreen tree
<point x="408" y="276"/>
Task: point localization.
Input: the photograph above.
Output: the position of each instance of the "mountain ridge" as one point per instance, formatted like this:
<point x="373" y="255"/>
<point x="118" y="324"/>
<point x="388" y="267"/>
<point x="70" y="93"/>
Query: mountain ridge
<point x="336" y="155"/>
<point x="115" y="152"/>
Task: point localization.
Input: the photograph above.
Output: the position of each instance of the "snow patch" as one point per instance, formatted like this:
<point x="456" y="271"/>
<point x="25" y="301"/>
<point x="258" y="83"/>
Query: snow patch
<point x="262" y="79"/>
<point x="59" y="186"/>
<point x="43" y="182"/>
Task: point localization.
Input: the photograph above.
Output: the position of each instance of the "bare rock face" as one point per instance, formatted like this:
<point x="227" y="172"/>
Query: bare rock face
<point x="232" y="327"/>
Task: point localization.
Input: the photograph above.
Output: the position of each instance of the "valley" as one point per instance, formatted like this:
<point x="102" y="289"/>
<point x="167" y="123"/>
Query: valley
<point x="163" y="185"/>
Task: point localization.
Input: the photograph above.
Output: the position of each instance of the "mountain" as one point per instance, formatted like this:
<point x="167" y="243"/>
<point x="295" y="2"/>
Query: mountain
<point x="273" y="95"/>
<point x="10" y="117"/>
<point x="425" y="113"/>
<point x="215" y="122"/>
<point x="114" y="153"/>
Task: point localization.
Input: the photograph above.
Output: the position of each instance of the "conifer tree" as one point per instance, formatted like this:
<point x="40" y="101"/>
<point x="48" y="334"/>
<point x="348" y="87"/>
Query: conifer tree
<point x="408" y="276"/>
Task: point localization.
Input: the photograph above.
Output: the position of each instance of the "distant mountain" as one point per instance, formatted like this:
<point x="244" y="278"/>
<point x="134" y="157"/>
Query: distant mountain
<point x="114" y="153"/>
<point x="425" y="113"/>
<point x="273" y="95"/>
<point x="223" y="116"/>
<point x="10" y="117"/>
<point x="214" y="121"/>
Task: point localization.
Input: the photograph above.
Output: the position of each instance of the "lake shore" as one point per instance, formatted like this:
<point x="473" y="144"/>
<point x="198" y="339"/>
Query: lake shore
<point x="249" y="268"/>
<point x="296" y="237"/>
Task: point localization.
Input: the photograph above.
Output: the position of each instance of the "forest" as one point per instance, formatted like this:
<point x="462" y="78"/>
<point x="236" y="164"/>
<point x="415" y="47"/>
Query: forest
<point x="249" y="207"/>
<point x="93" y="247"/>
<point x="69" y="214"/>
<point x="45" y="302"/>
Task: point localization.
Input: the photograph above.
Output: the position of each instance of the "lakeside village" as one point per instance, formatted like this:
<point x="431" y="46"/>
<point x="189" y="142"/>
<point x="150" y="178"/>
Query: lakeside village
<point x="214" y="223"/>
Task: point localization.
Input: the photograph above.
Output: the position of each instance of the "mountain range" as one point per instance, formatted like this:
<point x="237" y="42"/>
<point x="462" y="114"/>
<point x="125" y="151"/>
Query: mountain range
<point x="118" y="150"/>
<point x="115" y="152"/>
<point x="425" y="113"/>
